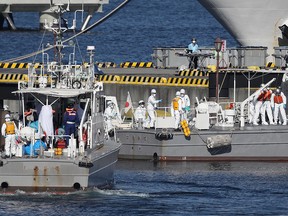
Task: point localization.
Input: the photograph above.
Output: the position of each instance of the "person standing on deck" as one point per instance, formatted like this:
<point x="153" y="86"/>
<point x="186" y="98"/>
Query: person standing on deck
<point x="177" y="110"/>
<point x="278" y="102"/>
<point x="151" y="106"/>
<point x="185" y="104"/>
<point x="110" y="114"/>
<point x="267" y="106"/>
<point x="259" y="99"/>
<point x="193" y="48"/>
<point x="8" y="131"/>
<point x="140" y="114"/>
<point x="70" y="120"/>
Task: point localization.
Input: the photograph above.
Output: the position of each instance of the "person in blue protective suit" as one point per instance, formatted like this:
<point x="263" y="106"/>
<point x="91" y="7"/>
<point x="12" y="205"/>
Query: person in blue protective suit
<point x="70" y="120"/>
<point x="193" y="48"/>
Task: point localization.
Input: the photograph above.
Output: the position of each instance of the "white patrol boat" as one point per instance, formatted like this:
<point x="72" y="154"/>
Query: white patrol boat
<point x="214" y="134"/>
<point x="87" y="161"/>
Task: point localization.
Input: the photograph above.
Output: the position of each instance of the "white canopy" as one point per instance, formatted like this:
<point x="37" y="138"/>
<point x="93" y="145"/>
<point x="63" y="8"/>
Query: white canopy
<point x="63" y="93"/>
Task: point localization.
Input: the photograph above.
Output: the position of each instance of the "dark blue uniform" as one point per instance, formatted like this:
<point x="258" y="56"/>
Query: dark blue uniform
<point x="69" y="121"/>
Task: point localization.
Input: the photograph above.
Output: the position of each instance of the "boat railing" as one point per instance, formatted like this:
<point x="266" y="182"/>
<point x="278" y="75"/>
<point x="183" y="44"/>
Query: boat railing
<point x="64" y="76"/>
<point x="164" y="117"/>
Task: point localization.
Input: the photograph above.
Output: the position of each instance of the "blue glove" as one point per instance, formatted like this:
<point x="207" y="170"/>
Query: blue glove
<point x="284" y="106"/>
<point x="160" y="100"/>
<point x="187" y="108"/>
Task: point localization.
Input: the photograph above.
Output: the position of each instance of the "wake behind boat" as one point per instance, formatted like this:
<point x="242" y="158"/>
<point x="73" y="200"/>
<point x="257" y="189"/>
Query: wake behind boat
<point x="47" y="158"/>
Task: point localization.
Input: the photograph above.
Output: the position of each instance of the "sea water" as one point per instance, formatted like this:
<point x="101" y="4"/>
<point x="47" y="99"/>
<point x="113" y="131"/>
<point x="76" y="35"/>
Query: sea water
<point x="145" y="188"/>
<point x="129" y="35"/>
<point x="169" y="188"/>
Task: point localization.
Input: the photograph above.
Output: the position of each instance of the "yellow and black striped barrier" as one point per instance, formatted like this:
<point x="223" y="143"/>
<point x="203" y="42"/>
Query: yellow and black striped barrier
<point x="270" y="65"/>
<point x="13" y="78"/>
<point x="136" y="65"/>
<point x="189" y="72"/>
<point x="10" y="65"/>
<point x="189" y="82"/>
<point x="109" y="78"/>
<point x="106" y="65"/>
<point x="160" y="81"/>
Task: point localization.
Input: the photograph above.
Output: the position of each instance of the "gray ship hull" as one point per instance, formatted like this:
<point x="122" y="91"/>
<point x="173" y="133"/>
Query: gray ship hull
<point x="251" y="143"/>
<point x="59" y="173"/>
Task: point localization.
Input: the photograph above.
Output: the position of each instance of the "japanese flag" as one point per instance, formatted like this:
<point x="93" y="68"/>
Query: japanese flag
<point x="128" y="104"/>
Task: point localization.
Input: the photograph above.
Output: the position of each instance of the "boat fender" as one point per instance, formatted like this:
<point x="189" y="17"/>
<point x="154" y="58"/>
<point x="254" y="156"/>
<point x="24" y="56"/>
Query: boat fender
<point x="185" y="128"/>
<point x="218" y="141"/>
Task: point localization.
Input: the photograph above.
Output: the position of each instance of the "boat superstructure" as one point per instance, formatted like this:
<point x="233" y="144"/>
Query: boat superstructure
<point x="252" y="23"/>
<point x="80" y="162"/>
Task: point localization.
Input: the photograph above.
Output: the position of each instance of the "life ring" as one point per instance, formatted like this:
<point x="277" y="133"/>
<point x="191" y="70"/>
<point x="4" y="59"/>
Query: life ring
<point x="76" y="84"/>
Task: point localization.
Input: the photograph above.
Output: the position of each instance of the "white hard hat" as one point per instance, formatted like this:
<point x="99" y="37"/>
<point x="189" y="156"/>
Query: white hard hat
<point x="278" y="90"/>
<point x="153" y="91"/>
<point x="141" y="102"/>
<point x="178" y="93"/>
<point x="262" y="85"/>
<point x="109" y="103"/>
<point x="182" y="91"/>
<point x="7" y="116"/>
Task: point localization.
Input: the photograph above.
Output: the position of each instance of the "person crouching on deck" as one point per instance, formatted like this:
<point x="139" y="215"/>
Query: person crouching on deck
<point x="69" y="121"/>
<point x="9" y="130"/>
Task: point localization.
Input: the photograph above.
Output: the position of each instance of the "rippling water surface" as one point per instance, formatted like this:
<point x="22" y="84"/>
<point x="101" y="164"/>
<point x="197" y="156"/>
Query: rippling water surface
<point x="173" y="188"/>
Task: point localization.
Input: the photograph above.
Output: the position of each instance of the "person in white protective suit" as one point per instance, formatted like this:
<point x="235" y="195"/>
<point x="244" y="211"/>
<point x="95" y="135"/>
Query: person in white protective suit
<point x="185" y="103"/>
<point x="110" y="114"/>
<point x="140" y="114"/>
<point x="278" y="102"/>
<point x="267" y="106"/>
<point x="260" y="106"/>
<point x="9" y="131"/>
<point x="177" y="110"/>
<point x="151" y="106"/>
